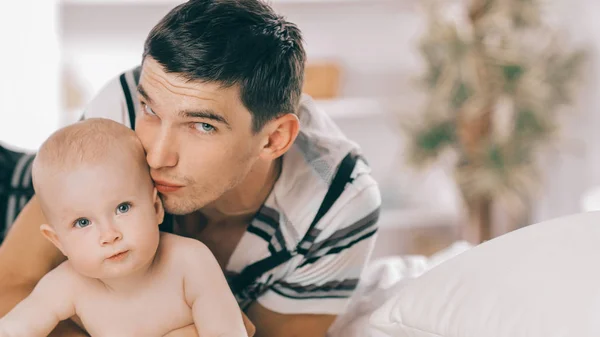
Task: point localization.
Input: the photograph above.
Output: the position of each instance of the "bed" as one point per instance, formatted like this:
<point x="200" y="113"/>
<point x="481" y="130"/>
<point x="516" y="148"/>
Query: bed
<point x="539" y="281"/>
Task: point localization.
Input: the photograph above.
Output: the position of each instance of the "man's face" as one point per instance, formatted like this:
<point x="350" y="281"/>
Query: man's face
<point x="197" y="136"/>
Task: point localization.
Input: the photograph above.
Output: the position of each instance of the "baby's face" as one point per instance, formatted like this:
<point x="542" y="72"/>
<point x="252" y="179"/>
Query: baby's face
<point x="105" y="218"/>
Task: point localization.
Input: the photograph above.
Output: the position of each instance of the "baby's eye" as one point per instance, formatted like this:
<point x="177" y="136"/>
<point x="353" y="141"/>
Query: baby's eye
<point x="124" y="207"/>
<point x="81" y="223"/>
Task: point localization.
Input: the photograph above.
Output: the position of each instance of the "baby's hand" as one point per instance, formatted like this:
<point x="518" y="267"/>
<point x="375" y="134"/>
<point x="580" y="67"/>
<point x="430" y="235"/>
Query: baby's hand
<point x="186" y="331"/>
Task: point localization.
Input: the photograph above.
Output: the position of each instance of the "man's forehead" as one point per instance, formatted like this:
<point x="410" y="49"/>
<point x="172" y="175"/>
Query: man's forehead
<point x="181" y="98"/>
<point x="153" y="78"/>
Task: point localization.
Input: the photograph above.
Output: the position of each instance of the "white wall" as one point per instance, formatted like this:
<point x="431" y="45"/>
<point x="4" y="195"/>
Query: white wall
<point x="575" y="166"/>
<point x="29" y="80"/>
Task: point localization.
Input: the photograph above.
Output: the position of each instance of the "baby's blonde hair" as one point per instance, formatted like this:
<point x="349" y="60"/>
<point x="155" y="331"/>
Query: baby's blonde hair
<point x="89" y="142"/>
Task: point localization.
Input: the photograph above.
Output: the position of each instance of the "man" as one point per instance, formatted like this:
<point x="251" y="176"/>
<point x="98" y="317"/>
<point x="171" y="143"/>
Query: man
<point x="242" y="162"/>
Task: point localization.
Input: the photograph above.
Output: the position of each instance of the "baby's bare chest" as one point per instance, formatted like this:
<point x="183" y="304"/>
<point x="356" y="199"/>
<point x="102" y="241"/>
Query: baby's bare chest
<point x="154" y="311"/>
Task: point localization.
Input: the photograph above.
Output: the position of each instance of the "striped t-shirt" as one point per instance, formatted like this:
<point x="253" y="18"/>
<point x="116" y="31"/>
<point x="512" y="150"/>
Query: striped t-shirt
<point x="306" y="248"/>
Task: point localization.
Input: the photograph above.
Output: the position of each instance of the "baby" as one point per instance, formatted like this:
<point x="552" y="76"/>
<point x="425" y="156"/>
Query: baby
<point x="122" y="277"/>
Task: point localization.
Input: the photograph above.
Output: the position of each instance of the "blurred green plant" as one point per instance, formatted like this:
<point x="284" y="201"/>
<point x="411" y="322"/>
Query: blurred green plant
<point x="496" y="77"/>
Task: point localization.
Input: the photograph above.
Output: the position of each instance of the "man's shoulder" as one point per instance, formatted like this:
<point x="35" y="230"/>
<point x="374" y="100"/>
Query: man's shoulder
<point x="302" y="191"/>
<point x="116" y="100"/>
<point x="308" y="173"/>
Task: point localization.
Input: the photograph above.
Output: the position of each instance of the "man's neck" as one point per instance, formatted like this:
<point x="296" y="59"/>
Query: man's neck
<point x="242" y="203"/>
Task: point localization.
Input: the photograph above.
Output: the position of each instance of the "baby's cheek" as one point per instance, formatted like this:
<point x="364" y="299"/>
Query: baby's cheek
<point x="144" y="238"/>
<point x="85" y="265"/>
<point x="150" y="240"/>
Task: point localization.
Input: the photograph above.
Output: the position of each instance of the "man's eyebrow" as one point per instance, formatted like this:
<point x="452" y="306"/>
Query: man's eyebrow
<point x="142" y="92"/>
<point x="206" y="114"/>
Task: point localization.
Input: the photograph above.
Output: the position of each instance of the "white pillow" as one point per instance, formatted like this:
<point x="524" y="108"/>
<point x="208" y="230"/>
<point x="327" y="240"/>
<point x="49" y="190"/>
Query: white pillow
<point x="539" y="281"/>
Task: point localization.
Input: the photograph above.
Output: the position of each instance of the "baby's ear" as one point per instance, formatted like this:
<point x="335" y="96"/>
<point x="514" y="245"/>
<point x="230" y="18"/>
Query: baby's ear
<point x="49" y="233"/>
<point x="158" y="207"/>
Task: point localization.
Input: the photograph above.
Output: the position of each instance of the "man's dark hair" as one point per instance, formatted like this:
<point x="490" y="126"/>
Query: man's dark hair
<point x="234" y="42"/>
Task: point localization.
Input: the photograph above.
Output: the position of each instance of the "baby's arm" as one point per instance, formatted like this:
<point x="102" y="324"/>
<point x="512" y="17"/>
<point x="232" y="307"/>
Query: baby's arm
<point x="50" y="302"/>
<point x="214" y="308"/>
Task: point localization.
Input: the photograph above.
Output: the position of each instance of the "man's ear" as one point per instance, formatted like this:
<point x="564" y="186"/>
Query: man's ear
<point x="49" y="233"/>
<point x="158" y="207"/>
<point x="280" y="135"/>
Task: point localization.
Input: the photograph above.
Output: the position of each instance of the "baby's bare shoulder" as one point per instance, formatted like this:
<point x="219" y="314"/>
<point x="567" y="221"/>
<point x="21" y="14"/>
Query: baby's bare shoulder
<point x="64" y="272"/>
<point x="182" y="249"/>
<point x="61" y="279"/>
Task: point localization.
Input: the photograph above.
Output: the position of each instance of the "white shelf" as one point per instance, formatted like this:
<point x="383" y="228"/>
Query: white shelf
<point x="354" y="107"/>
<point x="396" y="219"/>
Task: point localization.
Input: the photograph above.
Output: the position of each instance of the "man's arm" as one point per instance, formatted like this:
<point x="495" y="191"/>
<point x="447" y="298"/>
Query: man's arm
<point x="191" y="331"/>
<point x="50" y="302"/>
<point x="269" y="323"/>
<point x="25" y="257"/>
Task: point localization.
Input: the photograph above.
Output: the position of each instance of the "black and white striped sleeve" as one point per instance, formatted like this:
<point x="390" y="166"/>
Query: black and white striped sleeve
<point x="330" y="267"/>
<point x="116" y="100"/>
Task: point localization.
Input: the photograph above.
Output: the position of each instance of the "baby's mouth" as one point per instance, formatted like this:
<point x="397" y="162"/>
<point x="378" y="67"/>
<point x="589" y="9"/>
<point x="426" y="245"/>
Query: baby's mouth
<point x="118" y="256"/>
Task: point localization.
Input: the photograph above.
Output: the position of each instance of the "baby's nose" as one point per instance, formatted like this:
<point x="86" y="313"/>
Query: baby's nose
<point x="110" y="235"/>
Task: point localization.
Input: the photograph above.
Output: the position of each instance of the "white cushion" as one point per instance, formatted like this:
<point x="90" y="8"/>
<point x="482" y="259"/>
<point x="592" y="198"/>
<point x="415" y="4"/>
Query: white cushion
<point x="539" y="281"/>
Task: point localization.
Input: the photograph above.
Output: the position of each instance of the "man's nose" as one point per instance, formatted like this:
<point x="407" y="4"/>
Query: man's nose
<point x="110" y="234"/>
<point x="162" y="153"/>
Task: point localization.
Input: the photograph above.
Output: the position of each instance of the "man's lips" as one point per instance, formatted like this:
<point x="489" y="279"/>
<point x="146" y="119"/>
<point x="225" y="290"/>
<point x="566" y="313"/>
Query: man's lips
<point x="164" y="187"/>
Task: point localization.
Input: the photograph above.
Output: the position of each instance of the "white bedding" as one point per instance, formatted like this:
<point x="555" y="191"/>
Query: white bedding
<point x="538" y="281"/>
<point x="383" y="278"/>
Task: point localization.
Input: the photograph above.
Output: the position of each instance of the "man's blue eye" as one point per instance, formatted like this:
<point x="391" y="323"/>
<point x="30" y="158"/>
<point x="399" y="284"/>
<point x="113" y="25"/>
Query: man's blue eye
<point x="147" y="109"/>
<point x="205" y="127"/>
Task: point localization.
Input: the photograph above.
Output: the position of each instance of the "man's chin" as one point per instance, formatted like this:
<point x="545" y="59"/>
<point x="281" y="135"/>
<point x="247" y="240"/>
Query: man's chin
<point x="176" y="206"/>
